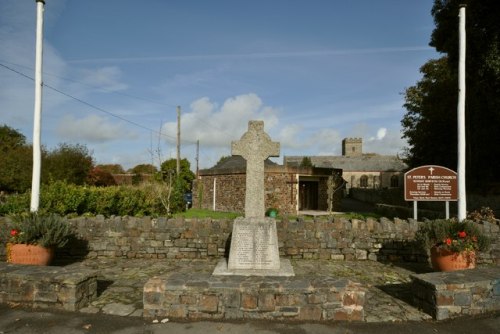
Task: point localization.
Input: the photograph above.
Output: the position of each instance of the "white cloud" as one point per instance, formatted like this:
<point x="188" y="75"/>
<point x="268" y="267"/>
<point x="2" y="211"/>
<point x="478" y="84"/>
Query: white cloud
<point x="105" y="78"/>
<point x="92" y="129"/>
<point x="381" y="133"/>
<point x="217" y="126"/>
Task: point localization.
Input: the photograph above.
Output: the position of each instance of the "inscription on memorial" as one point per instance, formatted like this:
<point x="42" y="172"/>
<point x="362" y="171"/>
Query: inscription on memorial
<point x="254" y="246"/>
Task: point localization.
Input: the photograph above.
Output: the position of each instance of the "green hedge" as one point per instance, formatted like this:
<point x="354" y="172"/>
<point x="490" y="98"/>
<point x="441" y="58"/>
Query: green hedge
<point x="65" y="199"/>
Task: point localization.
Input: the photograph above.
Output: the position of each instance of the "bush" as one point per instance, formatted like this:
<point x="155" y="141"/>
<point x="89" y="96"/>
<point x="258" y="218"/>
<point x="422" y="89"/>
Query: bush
<point x="63" y="199"/>
<point x="46" y="230"/>
<point x="451" y="235"/>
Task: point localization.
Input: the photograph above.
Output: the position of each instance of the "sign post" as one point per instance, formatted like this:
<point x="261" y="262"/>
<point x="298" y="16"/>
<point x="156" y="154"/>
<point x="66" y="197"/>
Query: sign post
<point x="431" y="183"/>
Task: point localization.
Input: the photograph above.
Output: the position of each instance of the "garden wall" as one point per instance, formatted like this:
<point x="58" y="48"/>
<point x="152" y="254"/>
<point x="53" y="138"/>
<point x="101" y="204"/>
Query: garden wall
<point x="321" y="238"/>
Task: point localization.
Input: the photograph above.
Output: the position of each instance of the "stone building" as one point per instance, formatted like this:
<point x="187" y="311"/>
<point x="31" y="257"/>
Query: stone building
<point x="289" y="189"/>
<point x="360" y="170"/>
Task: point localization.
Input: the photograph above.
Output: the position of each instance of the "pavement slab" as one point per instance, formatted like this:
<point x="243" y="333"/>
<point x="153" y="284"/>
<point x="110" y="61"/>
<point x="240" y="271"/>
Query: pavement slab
<point x="121" y="281"/>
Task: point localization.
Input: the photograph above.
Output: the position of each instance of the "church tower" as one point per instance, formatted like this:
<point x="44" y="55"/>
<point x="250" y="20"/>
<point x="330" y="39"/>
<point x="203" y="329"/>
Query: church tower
<point x="352" y="147"/>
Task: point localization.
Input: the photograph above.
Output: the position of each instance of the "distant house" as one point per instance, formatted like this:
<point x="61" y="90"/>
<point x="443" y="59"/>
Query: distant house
<point x="129" y="178"/>
<point x="290" y="189"/>
<point x="360" y="170"/>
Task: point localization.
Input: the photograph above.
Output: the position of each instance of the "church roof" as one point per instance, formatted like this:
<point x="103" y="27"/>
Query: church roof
<point x="235" y="162"/>
<point x="363" y="163"/>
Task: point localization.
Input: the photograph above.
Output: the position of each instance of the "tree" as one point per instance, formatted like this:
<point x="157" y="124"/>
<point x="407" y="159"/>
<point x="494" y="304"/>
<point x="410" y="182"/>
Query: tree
<point x="16" y="162"/>
<point x="430" y="124"/>
<point x="10" y="139"/>
<point x="143" y="169"/>
<point x="306" y="162"/>
<point x="100" y="178"/>
<point x="70" y="163"/>
<point x="223" y="159"/>
<point x="111" y="168"/>
<point x="186" y="176"/>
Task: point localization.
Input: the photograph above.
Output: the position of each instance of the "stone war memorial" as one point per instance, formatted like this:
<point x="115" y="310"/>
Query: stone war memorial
<point x="254" y="243"/>
<point x="253" y="283"/>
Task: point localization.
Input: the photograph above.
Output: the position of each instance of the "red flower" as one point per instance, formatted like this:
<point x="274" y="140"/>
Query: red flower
<point x="13" y="232"/>
<point x="462" y="234"/>
<point x="448" y="241"/>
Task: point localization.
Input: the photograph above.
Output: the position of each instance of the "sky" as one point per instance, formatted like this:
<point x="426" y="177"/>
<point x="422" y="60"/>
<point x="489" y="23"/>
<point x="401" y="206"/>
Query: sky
<point x="115" y="71"/>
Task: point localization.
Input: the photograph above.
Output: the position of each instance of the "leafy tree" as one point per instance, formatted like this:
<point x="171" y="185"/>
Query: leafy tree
<point x="16" y="167"/>
<point x="306" y="162"/>
<point x="16" y="161"/>
<point x="111" y="168"/>
<point x="430" y="125"/>
<point x="10" y="139"/>
<point x="223" y="159"/>
<point x="69" y="163"/>
<point x="143" y="169"/>
<point x="185" y="177"/>
<point x="100" y="178"/>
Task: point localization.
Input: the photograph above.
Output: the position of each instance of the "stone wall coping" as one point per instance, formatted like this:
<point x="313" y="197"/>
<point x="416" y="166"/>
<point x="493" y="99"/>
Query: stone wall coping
<point x="441" y="280"/>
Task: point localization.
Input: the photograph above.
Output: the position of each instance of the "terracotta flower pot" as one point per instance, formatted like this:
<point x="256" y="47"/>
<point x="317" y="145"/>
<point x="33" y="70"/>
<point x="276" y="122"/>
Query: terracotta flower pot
<point x="445" y="260"/>
<point x="29" y="254"/>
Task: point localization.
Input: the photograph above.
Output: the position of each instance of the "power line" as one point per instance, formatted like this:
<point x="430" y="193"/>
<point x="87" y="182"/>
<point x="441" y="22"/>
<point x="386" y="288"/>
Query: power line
<point x="93" y="106"/>
<point x="87" y="85"/>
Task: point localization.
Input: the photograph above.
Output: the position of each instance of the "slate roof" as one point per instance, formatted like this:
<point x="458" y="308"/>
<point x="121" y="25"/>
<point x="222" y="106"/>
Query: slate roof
<point x="363" y="163"/>
<point x="236" y="162"/>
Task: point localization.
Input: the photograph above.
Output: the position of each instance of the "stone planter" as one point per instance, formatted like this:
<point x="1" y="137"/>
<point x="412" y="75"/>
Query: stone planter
<point x="445" y="260"/>
<point x="29" y="254"/>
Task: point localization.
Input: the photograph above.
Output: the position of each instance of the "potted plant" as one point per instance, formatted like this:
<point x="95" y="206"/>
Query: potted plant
<point x="32" y="237"/>
<point x="452" y="243"/>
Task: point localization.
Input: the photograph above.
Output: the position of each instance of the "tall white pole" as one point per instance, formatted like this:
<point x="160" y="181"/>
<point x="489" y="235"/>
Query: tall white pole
<point x="178" y="165"/>
<point x="37" y="149"/>
<point x="462" y="200"/>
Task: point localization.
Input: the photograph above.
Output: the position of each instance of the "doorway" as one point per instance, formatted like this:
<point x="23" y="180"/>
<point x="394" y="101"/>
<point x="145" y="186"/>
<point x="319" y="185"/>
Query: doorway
<point x="308" y="195"/>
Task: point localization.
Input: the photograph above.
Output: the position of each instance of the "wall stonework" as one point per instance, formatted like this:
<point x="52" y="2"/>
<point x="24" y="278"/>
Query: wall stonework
<point x="281" y="186"/>
<point x="321" y="238"/>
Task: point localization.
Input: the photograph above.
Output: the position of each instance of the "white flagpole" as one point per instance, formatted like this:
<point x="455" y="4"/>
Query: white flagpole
<point x="462" y="203"/>
<point x="37" y="149"/>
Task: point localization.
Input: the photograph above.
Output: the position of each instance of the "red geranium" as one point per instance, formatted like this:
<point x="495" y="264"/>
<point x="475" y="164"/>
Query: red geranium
<point x="14" y="232"/>
<point x="462" y="234"/>
<point x="448" y="241"/>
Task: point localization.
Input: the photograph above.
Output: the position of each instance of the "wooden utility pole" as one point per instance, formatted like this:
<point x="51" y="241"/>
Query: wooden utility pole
<point x="178" y="140"/>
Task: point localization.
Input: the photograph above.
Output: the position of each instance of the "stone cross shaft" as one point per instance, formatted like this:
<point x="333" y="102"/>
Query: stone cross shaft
<point x="255" y="146"/>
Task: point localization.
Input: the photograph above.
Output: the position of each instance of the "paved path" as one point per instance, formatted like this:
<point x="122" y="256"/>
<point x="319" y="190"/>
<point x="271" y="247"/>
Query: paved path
<point x="22" y="321"/>
<point x="388" y="297"/>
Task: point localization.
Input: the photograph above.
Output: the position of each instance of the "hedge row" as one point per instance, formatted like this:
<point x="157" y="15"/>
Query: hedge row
<point x="149" y="199"/>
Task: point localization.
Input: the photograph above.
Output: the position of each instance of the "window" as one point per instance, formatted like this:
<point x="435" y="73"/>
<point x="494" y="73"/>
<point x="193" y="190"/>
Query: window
<point x="363" y="181"/>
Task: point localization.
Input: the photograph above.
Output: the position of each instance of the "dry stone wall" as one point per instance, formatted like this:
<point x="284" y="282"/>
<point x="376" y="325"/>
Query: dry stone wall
<point x="321" y="238"/>
<point x="335" y="239"/>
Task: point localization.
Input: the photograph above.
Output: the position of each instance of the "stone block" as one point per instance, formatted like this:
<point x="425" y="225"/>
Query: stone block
<point x="444" y="298"/>
<point x="310" y="313"/>
<point x="266" y="302"/>
<point x="462" y="299"/>
<point x="248" y="301"/>
<point x="208" y="303"/>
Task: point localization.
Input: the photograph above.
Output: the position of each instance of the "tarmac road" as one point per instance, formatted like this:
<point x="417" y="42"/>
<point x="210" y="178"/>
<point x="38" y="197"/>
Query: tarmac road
<point x="17" y="320"/>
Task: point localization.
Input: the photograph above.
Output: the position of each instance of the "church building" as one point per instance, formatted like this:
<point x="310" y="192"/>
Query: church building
<point x="359" y="170"/>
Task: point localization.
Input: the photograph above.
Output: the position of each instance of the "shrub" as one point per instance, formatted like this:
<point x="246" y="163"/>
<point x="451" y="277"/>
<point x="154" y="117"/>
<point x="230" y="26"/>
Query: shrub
<point x="46" y="230"/>
<point x="451" y="235"/>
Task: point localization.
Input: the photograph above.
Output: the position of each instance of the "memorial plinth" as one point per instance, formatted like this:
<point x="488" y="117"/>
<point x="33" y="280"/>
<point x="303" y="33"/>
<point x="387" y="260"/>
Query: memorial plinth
<point x="254" y="243"/>
<point x="254" y="250"/>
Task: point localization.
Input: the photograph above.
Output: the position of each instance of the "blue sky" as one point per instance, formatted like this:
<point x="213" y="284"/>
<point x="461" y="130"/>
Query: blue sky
<point x="315" y="71"/>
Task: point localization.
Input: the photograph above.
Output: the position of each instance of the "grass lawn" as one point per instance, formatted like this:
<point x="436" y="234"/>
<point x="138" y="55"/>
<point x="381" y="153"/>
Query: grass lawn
<point x="204" y="213"/>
